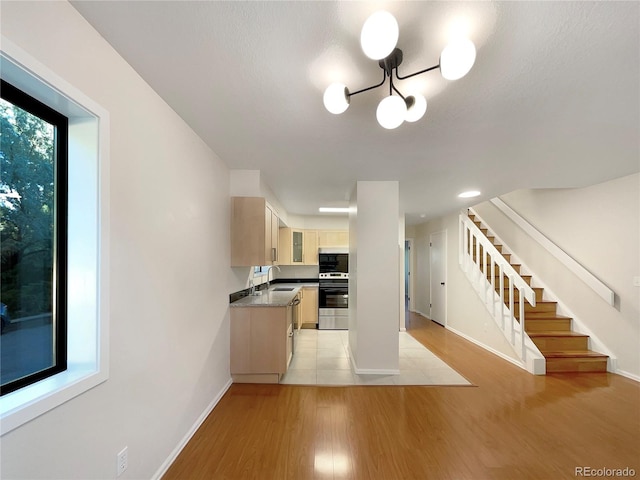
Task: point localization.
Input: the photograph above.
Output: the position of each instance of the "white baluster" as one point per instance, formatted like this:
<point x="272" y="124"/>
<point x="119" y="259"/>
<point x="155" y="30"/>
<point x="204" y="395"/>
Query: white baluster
<point x="511" y="312"/>
<point x="493" y="285"/>
<point x="522" y="325"/>
<point x="477" y="242"/>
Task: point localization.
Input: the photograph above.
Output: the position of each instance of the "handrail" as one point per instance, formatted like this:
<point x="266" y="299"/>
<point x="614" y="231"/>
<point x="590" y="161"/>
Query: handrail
<point x="477" y="270"/>
<point x="585" y="275"/>
<point x="530" y="295"/>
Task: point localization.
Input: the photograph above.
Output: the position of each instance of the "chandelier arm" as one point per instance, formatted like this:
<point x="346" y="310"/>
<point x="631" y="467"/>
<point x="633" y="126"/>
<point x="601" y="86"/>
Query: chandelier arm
<point x="384" y="78"/>
<point x="417" y="73"/>
<point x="398" y="92"/>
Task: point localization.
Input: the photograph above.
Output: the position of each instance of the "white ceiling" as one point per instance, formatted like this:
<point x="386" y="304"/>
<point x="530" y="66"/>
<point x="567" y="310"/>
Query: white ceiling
<point x="552" y="101"/>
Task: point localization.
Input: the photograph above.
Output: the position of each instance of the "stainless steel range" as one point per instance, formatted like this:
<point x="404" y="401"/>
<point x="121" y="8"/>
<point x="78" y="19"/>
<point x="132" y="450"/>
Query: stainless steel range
<point x="333" y="301"/>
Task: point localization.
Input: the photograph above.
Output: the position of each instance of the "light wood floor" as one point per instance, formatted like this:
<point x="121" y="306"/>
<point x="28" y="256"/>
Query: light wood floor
<point x="511" y="425"/>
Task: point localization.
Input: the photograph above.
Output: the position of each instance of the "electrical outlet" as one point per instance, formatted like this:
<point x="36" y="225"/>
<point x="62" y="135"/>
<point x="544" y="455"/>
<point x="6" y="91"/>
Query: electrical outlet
<point x="123" y="461"/>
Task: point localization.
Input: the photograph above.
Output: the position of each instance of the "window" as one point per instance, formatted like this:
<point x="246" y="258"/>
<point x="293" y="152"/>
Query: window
<point x="33" y="239"/>
<point x="87" y="236"/>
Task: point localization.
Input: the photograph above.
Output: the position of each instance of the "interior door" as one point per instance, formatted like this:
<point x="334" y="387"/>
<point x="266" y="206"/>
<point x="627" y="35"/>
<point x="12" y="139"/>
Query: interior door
<point x="438" y="289"/>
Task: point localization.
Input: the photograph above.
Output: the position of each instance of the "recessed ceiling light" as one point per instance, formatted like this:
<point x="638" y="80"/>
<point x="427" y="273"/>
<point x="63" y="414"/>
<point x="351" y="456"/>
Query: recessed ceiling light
<point x="334" y="209"/>
<point x="469" y="194"/>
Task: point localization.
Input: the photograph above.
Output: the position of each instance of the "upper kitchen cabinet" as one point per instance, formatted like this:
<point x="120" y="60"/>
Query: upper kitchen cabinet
<point x="310" y="252"/>
<point x="333" y="238"/>
<point x="254" y="232"/>
<point x="298" y="247"/>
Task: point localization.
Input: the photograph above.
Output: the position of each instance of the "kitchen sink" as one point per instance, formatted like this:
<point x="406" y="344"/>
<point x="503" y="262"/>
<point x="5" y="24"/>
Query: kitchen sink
<point x="283" y="289"/>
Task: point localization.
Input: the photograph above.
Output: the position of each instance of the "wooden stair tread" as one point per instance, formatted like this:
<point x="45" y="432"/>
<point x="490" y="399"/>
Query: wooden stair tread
<point x="557" y="333"/>
<point x="575" y="354"/>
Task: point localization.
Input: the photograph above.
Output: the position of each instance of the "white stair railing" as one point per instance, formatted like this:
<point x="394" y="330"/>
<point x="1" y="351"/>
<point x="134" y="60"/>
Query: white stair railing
<point x="483" y="265"/>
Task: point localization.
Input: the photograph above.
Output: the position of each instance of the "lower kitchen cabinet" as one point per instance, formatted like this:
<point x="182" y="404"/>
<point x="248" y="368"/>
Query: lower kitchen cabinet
<point x="309" y="307"/>
<point x="261" y="343"/>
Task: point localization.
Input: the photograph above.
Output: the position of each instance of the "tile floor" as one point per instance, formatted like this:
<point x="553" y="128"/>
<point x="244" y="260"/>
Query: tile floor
<point x="321" y="357"/>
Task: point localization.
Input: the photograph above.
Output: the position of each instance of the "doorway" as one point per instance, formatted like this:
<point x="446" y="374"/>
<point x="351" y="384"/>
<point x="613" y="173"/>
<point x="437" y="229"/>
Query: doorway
<point x="408" y="280"/>
<point x="438" y="277"/>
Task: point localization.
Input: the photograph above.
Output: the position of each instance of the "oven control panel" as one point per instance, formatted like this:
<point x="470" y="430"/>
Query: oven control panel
<point x="333" y="275"/>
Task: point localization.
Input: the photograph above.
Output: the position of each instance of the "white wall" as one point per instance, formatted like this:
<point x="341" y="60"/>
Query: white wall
<point x="319" y="222"/>
<point x="465" y="312"/>
<point x="599" y="226"/>
<point x="169" y="341"/>
<point x="401" y="272"/>
<point x="244" y="183"/>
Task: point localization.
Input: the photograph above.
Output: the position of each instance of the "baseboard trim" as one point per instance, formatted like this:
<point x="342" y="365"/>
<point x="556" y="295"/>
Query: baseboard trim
<point x="370" y="371"/>
<point x="176" y="451"/>
<point x="629" y="375"/>
<point x="376" y="371"/>
<point x="486" y="347"/>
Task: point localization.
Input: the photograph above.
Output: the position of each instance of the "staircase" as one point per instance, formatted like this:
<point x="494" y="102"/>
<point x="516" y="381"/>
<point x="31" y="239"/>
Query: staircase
<point x="564" y="350"/>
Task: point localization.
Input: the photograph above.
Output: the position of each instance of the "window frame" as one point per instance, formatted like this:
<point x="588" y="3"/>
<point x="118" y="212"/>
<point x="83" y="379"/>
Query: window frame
<point x="22" y="100"/>
<point x="88" y="238"/>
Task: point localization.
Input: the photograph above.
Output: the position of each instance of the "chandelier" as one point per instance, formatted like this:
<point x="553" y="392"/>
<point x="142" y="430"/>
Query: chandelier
<point x="378" y="38"/>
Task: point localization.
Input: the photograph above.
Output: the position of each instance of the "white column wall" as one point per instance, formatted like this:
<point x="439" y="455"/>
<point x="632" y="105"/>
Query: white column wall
<point x="374" y="290"/>
<point x="401" y="273"/>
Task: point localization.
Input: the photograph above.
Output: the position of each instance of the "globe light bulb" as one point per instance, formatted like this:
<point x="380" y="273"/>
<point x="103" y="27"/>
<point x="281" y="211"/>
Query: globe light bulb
<point x="379" y="35"/>
<point x="391" y="112"/>
<point x="336" y="98"/>
<point x="417" y="110"/>
<point x="457" y="59"/>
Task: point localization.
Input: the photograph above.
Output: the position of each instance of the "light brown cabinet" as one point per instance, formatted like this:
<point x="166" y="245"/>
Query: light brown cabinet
<point x="308" y="306"/>
<point x="333" y="238"/>
<point x="298" y="247"/>
<point x="261" y="343"/>
<point x="254" y="232"/>
<point x="310" y="251"/>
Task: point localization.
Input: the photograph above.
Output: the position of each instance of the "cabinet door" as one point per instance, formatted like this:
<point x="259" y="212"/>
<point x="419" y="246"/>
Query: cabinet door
<point x="268" y="339"/>
<point x="268" y="221"/>
<point x="274" y="238"/>
<point x="310" y="250"/>
<point x="333" y="238"/>
<point x="297" y="246"/>
<point x="309" y="305"/>
<point x="248" y="231"/>
<point x="284" y="246"/>
<point x="240" y="340"/>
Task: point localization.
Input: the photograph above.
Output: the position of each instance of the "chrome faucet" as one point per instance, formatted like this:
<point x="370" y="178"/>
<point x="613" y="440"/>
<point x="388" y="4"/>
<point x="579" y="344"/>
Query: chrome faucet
<point x="269" y="271"/>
